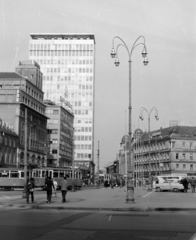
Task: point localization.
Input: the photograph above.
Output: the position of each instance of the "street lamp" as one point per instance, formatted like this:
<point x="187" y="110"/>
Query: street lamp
<point x="114" y="54"/>
<point x="157" y="118"/>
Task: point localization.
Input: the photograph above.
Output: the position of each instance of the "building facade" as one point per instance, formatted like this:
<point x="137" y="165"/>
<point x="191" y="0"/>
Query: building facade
<point x="60" y="138"/>
<point x="68" y="65"/>
<point x="170" y="150"/>
<point x="20" y="93"/>
<point x="8" y="145"/>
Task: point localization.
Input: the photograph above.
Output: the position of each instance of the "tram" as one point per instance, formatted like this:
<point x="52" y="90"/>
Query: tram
<point x="11" y="178"/>
<point x="40" y="175"/>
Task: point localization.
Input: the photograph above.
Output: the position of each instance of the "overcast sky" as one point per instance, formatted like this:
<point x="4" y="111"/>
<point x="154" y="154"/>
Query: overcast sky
<point x="168" y="82"/>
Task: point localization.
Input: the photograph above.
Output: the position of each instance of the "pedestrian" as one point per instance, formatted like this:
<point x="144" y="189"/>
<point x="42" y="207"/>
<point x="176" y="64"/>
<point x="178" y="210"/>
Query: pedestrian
<point x="55" y="187"/>
<point x="30" y="189"/>
<point x="64" y="186"/>
<point x="49" y="186"/>
<point x="185" y="183"/>
<point x="192" y="182"/>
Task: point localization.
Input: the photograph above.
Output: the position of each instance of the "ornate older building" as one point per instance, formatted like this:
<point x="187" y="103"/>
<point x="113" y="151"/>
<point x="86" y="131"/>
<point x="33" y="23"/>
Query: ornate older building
<point x="170" y="150"/>
<point x="21" y="92"/>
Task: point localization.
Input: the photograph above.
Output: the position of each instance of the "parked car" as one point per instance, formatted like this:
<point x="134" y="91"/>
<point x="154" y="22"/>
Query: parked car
<point x="169" y="185"/>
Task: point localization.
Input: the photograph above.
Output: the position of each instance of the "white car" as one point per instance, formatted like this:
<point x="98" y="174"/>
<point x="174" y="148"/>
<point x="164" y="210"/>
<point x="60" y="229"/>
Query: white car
<point x="169" y="186"/>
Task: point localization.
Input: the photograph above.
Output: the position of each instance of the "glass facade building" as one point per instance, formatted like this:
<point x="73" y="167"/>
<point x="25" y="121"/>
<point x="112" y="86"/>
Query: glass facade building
<point x="67" y="62"/>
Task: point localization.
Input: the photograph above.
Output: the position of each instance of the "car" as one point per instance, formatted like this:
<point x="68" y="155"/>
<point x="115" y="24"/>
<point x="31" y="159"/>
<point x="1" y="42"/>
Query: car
<point x="169" y="185"/>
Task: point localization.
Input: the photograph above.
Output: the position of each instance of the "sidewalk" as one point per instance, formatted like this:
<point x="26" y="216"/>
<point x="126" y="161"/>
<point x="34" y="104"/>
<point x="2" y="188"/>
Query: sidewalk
<point x="109" y="200"/>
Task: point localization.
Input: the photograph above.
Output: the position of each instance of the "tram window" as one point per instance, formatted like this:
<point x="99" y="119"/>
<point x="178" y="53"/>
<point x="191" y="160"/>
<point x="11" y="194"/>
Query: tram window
<point x="61" y="174"/>
<point x="4" y="174"/>
<point x="55" y="174"/>
<point x="43" y="173"/>
<point x="22" y="174"/>
<point x="14" y="174"/>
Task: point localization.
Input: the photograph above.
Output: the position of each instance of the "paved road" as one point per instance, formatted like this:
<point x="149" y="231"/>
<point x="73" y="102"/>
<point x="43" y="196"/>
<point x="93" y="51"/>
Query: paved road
<point x="99" y="214"/>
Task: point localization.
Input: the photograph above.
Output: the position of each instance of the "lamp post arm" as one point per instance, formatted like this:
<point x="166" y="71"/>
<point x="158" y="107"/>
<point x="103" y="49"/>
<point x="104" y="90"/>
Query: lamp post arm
<point x="154" y="108"/>
<point x="134" y="45"/>
<point x="124" y="44"/>
<point x="141" y="111"/>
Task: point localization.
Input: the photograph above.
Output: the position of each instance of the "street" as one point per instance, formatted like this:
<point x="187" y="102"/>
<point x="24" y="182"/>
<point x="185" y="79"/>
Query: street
<point x="98" y="214"/>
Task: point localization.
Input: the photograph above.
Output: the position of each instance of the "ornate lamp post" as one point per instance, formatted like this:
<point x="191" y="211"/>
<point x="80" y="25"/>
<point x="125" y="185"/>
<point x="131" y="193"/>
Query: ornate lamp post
<point x="157" y="118"/>
<point x="114" y="54"/>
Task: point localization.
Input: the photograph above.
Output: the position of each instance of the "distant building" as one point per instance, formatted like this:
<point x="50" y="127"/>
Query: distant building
<point x="21" y="91"/>
<point x="60" y="135"/>
<point x="172" y="151"/>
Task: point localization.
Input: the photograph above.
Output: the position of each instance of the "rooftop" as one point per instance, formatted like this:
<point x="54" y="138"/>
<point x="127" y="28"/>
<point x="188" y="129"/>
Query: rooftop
<point x="66" y="36"/>
<point x="10" y="75"/>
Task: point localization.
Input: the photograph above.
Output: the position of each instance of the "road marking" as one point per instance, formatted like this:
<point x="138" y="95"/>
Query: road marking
<point x="147" y="194"/>
<point x="193" y="237"/>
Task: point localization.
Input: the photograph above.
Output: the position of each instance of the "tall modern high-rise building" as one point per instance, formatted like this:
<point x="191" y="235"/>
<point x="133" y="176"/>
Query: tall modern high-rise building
<point x="67" y="62"/>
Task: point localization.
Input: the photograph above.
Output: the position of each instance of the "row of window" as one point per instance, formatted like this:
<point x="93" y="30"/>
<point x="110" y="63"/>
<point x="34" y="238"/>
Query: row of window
<point x="10" y="142"/>
<point x="65" y="62"/>
<point x="187" y="145"/>
<point x="83" y="129"/>
<point x="67" y="78"/>
<point x="81" y="112"/>
<point x="32" y="105"/>
<point x="52" y="111"/>
<point x="34" y="94"/>
<point x="82" y="155"/>
<point x="59" y="46"/>
<point x="61" y="53"/>
<point x="184" y="156"/>
<point x="83" y="146"/>
<point x="82" y="138"/>
<point x="67" y="70"/>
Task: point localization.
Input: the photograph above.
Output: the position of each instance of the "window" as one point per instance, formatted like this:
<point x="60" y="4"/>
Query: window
<point x="177" y="166"/>
<point x="14" y="174"/>
<point x="177" y="155"/>
<point x="191" y="156"/>
<point x="184" y="166"/>
<point x="183" y="144"/>
<point x="54" y="140"/>
<point x="191" y="167"/>
<point x="173" y="145"/>
<point x="191" y="145"/>
<point x="54" y="151"/>
<point x="183" y="156"/>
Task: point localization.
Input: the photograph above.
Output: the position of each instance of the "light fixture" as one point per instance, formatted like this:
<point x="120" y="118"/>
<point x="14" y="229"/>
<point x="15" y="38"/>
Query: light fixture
<point x="145" y="61"/>
<point x="116" y="62"/>
<point x="144" y="52"/>
<point x="113" y="53"/>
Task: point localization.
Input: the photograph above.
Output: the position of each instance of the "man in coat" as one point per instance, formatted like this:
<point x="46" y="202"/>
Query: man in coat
<point x="64" y="186"/>
<point x="49" y="186"/>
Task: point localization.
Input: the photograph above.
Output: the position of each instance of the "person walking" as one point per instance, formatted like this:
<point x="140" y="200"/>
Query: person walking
<point x="30" y="189"/>
<point x="193" y="183"/>
<point x="64" y="186"/>
<point x="49" y="186"/>
<point x="185" y="183"/>
<point x="55" y="187"/>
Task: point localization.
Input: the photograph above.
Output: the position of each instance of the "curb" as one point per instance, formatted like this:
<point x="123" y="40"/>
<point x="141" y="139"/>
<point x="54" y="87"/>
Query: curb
<point x="132" y="209"/>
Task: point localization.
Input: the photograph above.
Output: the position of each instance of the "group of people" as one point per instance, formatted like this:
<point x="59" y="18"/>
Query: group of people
<point x="185" y="182"/>
<point x="50" y="185"/>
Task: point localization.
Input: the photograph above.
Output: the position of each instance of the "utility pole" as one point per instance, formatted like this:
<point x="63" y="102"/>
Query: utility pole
<point x="25" y="157"/>
<point x="73" y="172"/>
<point x="98" y="166"/>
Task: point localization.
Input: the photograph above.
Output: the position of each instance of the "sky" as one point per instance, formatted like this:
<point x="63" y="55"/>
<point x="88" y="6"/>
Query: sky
<point x="167" y="83"/>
